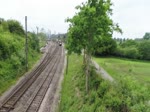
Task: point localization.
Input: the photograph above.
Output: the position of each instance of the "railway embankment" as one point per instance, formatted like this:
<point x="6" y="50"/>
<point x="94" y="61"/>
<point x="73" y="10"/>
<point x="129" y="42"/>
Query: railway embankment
<point x="30" y="93"/>
<point x="123" y="95"/>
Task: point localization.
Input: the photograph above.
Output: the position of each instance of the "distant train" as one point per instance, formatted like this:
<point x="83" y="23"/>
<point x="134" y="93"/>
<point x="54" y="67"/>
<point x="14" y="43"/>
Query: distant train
<point x="59" y="42"/>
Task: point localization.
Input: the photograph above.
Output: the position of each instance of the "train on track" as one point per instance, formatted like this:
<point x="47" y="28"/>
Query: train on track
<point x="59" y="42"/>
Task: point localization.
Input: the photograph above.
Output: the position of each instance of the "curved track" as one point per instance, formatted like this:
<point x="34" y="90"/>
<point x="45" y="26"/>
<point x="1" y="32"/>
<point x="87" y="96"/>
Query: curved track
<point x="28" y="96"/>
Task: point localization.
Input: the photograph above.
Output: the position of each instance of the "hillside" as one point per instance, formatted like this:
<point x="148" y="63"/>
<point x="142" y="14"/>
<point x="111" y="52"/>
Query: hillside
<point x="12" y="52"/>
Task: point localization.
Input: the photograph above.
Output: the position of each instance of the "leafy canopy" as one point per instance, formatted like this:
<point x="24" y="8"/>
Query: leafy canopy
<point x="146" y="36"/>
<point x="91" y="24"/>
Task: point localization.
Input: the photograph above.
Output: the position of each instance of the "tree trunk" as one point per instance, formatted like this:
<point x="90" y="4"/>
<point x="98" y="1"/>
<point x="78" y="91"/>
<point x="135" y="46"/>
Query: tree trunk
<point x="84" y="57"/>
<point x="87" y="76"/>
<point x="88" y="60"/>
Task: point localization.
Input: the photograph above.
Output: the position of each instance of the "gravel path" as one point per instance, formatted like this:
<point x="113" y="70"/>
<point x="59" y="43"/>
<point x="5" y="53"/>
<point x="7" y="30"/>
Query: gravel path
<point x="52" y="98"/>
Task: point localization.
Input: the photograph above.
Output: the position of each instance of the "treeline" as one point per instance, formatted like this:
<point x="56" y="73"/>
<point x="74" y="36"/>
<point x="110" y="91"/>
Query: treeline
<point x="126" y="48"/>
<point x="12" y="51"/>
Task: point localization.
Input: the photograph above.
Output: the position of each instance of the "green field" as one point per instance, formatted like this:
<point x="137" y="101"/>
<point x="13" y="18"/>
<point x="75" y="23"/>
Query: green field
<point x="116" y="67"/>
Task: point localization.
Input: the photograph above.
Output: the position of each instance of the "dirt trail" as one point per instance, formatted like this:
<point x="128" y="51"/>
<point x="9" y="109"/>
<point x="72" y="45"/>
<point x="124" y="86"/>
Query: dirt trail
<point x="102" y="72"/>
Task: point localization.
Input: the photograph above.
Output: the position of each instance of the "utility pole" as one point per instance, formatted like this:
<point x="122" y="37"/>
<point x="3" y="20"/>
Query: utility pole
<point x="26" y="44"/>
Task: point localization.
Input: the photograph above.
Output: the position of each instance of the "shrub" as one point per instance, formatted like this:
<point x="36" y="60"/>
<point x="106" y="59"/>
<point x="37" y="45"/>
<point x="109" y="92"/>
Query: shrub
<point x="131" y="52"/>
<point x="15" y="27"/>
<point x="128" y="52"/>
<point x="144" y="49"/>
<point x="106" y="47"/>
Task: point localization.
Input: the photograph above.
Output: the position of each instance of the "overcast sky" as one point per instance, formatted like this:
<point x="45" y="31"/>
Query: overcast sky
<point x="133" y="16"/>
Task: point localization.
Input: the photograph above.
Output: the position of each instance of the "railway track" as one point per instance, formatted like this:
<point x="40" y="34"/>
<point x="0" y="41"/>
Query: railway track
<point x="28" y="96"/>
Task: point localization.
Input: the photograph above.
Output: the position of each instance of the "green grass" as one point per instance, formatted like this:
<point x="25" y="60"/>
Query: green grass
<point x="116" y="67"/>
<point x="103" y="96"/>
<point x="73" y="86"/>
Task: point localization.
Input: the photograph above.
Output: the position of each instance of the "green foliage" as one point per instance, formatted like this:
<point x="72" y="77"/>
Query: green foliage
<point x="4" y="26"/>
<point x="42" y="38"/>
<point x="88" y="27"/>
<point x="131" y="53"/>
<point x="124" y="95"/>
<point x="12" y="52"/>
<point x="146" y="36"/>
<point x="116" y="67"/>
<point x="12" y="26"/>
<point x="129" y="43"/>
<point x="91" y="24"/>
<point x="34" y="41"/>
<point x="15" y="61"/>
<point x="127" y="52"/>
<point x="107" y="46"/>
<point x="144" y="49"/>
<point x="73" y="86"/>
<point x="8" y="45"/>
<point x="134" y="49"/>
<point x="15" y="27"/>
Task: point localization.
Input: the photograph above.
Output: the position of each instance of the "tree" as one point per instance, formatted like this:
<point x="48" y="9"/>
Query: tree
<point x="106" y="47"/>
<point x="15" y="27"/>
<point x="3" y="25"/>
<point x="146" y="36"/>
<point x="88" y="26"/>
<point x="144" y="49"/>
<point x="129" y="43"/>
<point x="1" y="20"/>
<point x="34" y="41"/>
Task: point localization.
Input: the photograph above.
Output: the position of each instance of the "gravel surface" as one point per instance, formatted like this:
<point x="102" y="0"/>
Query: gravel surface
<point x="49" y="81"/>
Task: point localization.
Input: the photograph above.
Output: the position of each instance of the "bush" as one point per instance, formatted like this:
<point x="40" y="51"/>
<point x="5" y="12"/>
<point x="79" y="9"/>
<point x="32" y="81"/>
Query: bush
<point x="34" y="41"/>
<point x="131" y="52"/>
<point x="106" y="47"/>
<point x="144" y="49"/>
<point x="124" y="95"/>
<point x="15" y="27"/>
<point x="12" y="52"/>
<point x="128" y="52"/>
<point x="5" y="47"/>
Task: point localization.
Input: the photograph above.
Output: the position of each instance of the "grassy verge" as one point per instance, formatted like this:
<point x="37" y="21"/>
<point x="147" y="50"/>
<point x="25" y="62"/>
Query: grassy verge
<point x="73" y="86"/>
<point x="124" y="96"/>
<point x="121" y="67"/>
